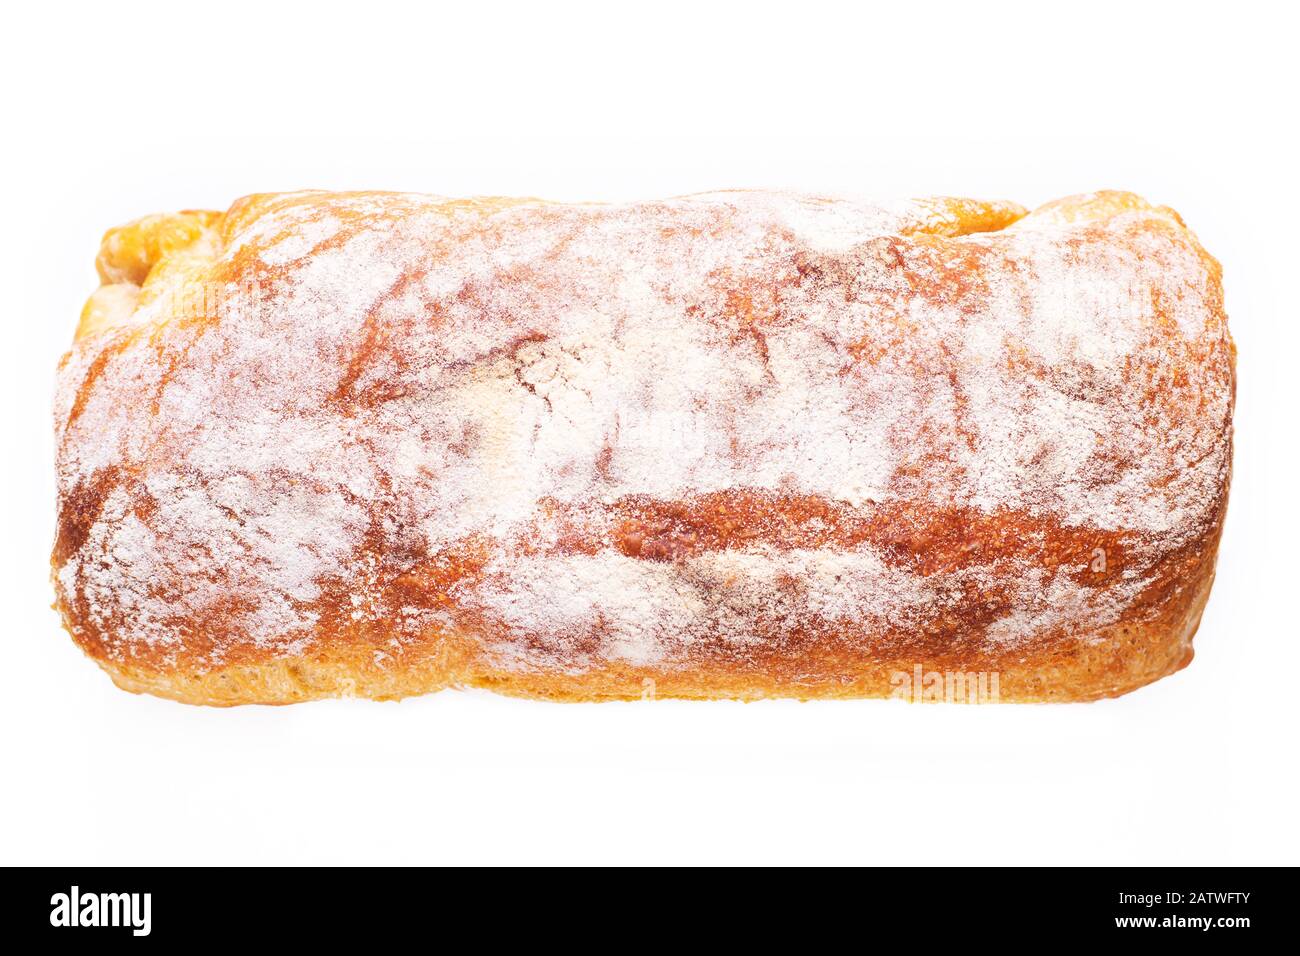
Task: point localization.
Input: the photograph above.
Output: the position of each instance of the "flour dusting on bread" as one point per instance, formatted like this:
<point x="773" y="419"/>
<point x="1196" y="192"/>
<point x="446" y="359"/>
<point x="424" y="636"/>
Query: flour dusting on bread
<point x="738" y="427"/>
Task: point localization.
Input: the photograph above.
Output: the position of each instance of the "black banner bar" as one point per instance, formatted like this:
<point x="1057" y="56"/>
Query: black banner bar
<point x="944" y="906"/>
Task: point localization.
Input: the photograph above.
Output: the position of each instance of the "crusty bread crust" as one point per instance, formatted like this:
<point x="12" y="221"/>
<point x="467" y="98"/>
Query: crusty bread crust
<point x="372" y="445"/>
<point x="1111" y="662"/>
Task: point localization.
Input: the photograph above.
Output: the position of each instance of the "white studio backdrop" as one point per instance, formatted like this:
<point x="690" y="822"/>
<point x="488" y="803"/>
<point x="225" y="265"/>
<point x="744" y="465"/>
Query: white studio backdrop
<point x="114" y="111"/>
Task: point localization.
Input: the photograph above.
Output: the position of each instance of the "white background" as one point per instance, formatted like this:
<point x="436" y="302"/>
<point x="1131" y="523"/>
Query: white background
<point x="114" y="111"/>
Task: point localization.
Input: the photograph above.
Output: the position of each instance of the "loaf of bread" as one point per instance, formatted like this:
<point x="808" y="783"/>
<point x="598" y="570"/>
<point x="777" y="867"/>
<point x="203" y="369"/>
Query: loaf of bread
<point x="733" y="445"/>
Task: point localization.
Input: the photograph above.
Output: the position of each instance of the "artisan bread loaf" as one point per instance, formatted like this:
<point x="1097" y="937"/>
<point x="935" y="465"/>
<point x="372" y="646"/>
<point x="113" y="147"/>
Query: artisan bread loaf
<point x="737" y="445"/>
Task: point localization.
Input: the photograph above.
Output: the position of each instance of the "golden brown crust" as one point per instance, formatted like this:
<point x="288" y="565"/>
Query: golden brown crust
<point x="1112" y="662"/>
<point x="378" y="445"/>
